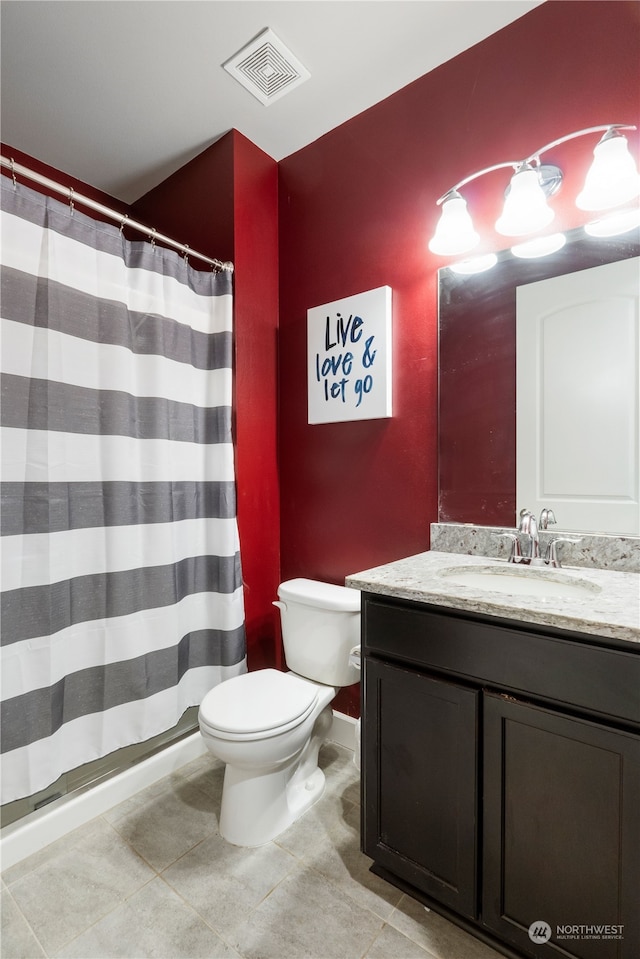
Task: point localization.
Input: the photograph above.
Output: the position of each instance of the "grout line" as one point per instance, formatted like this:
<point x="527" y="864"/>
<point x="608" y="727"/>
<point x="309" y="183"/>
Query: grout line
<point x="8" y="892"/>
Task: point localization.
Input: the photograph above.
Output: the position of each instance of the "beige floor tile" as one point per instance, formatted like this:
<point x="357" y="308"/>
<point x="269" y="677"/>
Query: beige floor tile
<point x="436" y="934"/>
<point x="224" y="882"/>
<point x="173" y="821"/>
<point x="153" y="922"/>
<point x="340" y="860"/>
<point x="339" y="767"/>
<point x="315" y="827"/>
<point x="18" y="941"/>
<point x="305" y="917"/>
<point x="391" y="944"/>
<point x="68" y="893"/>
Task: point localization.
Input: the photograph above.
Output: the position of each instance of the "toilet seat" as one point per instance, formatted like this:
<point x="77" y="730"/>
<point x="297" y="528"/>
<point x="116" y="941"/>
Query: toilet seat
<point x="257" y="705"/>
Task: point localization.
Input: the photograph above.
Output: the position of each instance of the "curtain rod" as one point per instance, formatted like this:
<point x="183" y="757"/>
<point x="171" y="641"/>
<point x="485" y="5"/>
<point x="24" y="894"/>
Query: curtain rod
<point x="122" y="218"/>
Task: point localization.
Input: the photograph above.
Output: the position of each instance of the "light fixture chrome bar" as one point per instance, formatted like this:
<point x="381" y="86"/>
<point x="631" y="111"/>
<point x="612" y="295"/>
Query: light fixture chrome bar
<point x="17" y="169"/>
<point x="515" y="164"/>
<point x="474" y="176"/>
<point x="580" y="133"/>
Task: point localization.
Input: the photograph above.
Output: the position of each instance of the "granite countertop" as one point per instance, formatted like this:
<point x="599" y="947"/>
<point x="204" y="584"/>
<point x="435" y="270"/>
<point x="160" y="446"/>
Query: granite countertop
<point x="609" y="607"/>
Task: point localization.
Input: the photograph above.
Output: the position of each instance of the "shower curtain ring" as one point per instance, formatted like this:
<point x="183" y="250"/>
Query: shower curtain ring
<point x="13" y="172"/>
<point x="71" y="203"/>
<point x="122" y="222"/>
<point x="152" y="237"/>
<point x="185" y="255"/>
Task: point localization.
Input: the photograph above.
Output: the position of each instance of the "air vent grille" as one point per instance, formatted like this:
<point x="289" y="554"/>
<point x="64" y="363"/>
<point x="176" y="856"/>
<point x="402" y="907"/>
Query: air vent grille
<point x="266" y="68"/>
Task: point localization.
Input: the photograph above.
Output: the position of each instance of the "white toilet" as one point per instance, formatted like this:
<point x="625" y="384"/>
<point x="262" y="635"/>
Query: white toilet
<point x="268" y="726"/>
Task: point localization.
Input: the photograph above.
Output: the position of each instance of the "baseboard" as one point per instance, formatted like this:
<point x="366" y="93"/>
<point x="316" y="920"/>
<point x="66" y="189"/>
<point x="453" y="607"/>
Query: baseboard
<point x="42" y="827"/>
<point x="344" y="730"/>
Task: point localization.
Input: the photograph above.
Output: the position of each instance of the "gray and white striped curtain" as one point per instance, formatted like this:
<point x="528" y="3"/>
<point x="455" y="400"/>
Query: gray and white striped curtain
<point x="121" y="584"/>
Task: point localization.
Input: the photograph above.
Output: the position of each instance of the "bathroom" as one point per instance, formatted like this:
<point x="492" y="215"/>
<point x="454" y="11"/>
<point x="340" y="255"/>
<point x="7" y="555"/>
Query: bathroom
<point x="350" y="212"/>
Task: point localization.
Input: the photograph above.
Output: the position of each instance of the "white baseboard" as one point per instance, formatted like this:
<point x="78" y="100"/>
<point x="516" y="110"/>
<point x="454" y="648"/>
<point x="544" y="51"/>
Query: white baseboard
<point x="42" y="827"/>
<point x="343" y="730"/>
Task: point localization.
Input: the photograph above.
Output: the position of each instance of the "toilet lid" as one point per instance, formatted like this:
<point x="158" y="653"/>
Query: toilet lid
<point x="254" y="702"/>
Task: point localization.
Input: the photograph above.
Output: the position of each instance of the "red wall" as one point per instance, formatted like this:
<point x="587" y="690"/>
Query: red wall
<point x="357" y="209"/>
<point x="224" y="204"/>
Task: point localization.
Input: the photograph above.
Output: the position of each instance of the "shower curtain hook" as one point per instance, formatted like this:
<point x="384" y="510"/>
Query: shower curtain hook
<point x="13" y="172"/>
<point x="152" y="237"/>
<point x="71" y="203"/>
<point x="122" y="222"/>
<point x="185" y="255"/>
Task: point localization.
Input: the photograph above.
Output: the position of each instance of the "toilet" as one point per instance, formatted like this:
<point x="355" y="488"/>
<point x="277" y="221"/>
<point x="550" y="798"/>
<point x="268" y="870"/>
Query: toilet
<point x="268" y="726"/>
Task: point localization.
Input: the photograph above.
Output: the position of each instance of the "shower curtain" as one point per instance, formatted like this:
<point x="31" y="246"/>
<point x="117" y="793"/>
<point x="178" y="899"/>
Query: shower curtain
<point x="121" y="583"/>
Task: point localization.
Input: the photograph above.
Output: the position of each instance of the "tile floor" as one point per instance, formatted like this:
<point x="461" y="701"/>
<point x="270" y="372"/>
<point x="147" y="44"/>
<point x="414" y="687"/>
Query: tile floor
<point x="153" y="878"/>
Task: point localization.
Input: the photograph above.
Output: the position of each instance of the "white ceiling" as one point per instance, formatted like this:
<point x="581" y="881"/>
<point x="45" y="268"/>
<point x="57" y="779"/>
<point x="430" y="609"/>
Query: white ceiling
<point x="122" y="93"/>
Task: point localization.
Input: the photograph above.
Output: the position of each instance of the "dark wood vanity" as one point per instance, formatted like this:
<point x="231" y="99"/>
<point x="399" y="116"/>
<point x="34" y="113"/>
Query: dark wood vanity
<point x="501" y="775"/>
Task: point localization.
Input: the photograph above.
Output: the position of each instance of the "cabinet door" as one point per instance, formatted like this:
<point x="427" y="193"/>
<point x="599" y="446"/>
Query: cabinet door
<point x="561" y="832"/>
<point x="420" y="775"/>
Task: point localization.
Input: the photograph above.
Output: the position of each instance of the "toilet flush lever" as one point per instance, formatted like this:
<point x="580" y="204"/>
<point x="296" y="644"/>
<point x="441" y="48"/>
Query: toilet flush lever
<point x="355" y="657"/>
<point x="279" y="604"/>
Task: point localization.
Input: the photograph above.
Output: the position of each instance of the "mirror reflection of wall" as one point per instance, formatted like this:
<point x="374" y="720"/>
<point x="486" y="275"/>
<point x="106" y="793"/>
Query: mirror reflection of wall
<point x="477" y="395"/>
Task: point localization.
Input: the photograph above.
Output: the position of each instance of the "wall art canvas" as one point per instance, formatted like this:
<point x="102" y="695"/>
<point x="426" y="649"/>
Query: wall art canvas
<point x="349" y="358"/>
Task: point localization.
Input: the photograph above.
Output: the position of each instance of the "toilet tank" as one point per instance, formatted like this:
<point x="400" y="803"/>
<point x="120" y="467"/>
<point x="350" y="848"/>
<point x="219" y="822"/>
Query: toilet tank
<point x="320" y="627"/>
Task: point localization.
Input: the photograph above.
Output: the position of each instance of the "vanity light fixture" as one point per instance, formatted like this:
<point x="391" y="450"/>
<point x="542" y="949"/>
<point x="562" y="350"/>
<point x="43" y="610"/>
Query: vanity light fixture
<point x="454" y="233"/>
<point x="612" y="180"/>
<point x="525" y="206"/>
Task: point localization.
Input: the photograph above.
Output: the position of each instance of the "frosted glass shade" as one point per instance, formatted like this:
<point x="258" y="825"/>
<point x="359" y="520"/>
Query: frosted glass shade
<point x="454" y="233"/>
<point x="539" y="246"/>
<point x="477" y="265"/>
<point x="525" y="207"/>
<point x="612" y="178"/>
<point x="614" y="224"/>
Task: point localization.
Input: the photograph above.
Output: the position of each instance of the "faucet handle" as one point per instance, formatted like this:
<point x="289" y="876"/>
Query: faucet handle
<point x="515" y="556"/>
<point x="525" y="520"/>
<point x="552" y="558"/>
<point x="547" y="518"/>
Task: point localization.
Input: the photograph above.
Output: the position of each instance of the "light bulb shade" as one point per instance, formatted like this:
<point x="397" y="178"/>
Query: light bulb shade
<point x="614" y="224"/>
<point x="525" y="207"/>
<point x="539" y="246"/>
<point x="454" y="233"/>
<point x="612" y="178"/>
<point x="476" y="265"/>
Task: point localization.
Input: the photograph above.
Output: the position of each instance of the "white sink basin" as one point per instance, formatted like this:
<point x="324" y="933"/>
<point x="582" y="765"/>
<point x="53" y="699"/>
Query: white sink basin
<point x="520" y="582"/>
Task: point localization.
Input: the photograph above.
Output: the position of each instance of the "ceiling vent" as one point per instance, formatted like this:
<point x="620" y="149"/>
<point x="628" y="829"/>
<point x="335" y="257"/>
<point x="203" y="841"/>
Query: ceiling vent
<point x="267" y="68"/>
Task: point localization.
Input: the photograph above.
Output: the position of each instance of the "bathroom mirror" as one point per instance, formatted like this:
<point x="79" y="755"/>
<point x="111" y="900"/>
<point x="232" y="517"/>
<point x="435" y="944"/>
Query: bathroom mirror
<point x="478" y="419"/>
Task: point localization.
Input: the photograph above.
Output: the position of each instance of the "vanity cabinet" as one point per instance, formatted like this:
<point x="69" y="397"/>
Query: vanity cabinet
<point x="424" y="772"/>
<point x="501" y="775"/>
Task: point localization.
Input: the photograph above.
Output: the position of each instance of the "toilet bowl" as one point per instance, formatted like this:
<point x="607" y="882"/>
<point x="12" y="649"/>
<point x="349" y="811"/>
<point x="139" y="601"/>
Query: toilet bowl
<point x="268" y="726"/>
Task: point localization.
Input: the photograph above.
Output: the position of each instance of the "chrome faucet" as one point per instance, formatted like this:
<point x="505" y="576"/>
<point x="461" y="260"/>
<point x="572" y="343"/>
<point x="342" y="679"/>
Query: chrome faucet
<point x="547" y="518"/>
<point x="528" y="530"/>
<point x="551" y="557"/>
<point x="529" y="527"/>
